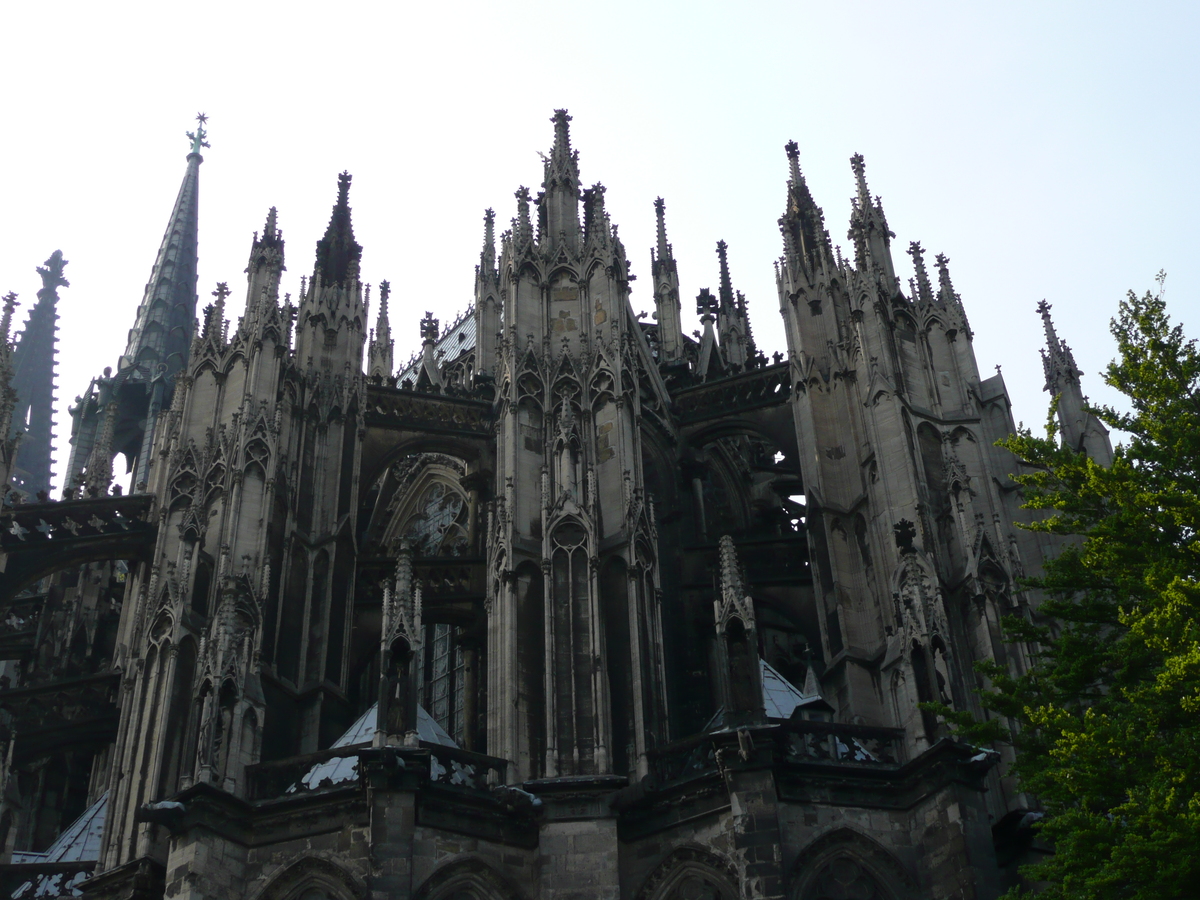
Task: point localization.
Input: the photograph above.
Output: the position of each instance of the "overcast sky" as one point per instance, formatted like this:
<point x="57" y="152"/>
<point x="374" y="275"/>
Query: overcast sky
<point x="1049" y="149"/>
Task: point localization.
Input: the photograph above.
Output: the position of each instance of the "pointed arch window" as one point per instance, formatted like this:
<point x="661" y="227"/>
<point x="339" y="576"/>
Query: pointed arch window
<point x="439" y="527"/>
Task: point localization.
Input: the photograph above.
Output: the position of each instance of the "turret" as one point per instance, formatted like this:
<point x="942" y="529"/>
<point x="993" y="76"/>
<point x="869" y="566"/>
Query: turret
<point x="1081" y="431"/>
<point x="665" y="273"/>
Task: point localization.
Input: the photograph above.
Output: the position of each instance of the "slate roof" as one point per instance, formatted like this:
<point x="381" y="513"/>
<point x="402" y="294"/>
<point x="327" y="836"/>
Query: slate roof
<point x="79" y="843"/>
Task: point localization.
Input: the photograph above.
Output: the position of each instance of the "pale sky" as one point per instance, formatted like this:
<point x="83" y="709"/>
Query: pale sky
<point x="1047" y="148"/>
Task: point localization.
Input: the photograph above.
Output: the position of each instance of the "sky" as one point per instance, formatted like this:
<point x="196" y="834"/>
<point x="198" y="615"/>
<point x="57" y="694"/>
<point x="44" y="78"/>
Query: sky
<point x="1048" y="149"/>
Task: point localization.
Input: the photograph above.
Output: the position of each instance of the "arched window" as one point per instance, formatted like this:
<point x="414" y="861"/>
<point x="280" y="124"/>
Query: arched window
<point x="439" y="526"/>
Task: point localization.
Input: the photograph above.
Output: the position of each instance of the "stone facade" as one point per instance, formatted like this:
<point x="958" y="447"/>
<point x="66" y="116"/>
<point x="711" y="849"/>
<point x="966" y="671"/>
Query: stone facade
<point x="569" y="605"/>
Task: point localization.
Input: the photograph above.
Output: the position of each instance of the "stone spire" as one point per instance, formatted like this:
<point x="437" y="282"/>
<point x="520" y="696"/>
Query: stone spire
<point x="869" y="228"/>
<point x="805" y="239"/>
<point x="162" y="331"/>
<point x="487" y="301"/>
<point x="1081" y="430"/>
<point x="924" y="290"/>
<point x="265" y="269"/>
<point x="8" y="397"/>
<point x="948" y="297"/>
<point x="559" y="201"/>
<point x="665" y="273"/>
<point x="733" y="324"/>
<point x="430" y="376"/>
<point x="338" y="255"/>
<point x="34" y="362"/>
<point x="379" y="352"/>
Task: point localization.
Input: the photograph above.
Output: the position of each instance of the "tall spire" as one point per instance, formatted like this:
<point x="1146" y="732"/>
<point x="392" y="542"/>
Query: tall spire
<point x="559" y="202"/>
<point x="162" y="332"/>
<point x="487" y="257"/>
<point x="733" y="325"/>
<point x="924" y="288"/>
<point x="868" y="227"/>
<point x="1058" y="362"/>
<point x="338" y="255"/>
<point x="1081" y="430"/>
<point x="264" y="269"/>
<point x="379" y="351"/>
<point x="34" y="365"/>
<point x="803" y="222"/>
<point x="665" y="273"/>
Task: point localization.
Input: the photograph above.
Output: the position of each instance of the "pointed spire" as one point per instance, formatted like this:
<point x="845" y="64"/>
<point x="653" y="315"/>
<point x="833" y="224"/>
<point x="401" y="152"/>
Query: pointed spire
<point x="1058" y="362"/>
<point x="558" y="205"/>
<point x="487" y="258"/>
<point x="805" y="239"/>
<point x="665" y="273"/>
<point x="924" y="288"/>
<point x="660" y="214"/>
<point x="161" y="334"/>
<point x="725" y="291"/>
<point x="947" y="296"/>
<point x="379" y="353"/>
<point x="34" y="362"/>
<point x="868" y="227"/>
<point x="522" y="226"/>
<point x="338" y="254"/>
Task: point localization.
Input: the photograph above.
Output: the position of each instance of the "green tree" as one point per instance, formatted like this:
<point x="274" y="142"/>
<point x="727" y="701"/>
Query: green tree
<point x="1107" y="722"/>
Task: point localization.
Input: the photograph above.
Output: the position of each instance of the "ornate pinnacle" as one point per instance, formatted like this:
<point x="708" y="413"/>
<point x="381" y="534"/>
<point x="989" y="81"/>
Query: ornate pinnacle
<point x="198" y="136"/>
<point x="793" y="154"/>
<point x="726" y="288"/>
<point x="924" y="288"/>
<point x="859" y="165"/>
<point x="429" y="328"/>
<point x="344" y="189"/>
<point x="52" y="272"/>
<point x="706" y="303"/>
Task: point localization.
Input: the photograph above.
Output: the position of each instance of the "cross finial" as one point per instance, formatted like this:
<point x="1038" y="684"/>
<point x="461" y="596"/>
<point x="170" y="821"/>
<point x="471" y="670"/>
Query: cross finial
<point x="198" y="136"/>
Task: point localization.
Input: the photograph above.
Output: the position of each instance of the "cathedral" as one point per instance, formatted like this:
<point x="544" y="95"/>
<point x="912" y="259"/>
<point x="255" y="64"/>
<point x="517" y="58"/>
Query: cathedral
<point x="569" y="605"/>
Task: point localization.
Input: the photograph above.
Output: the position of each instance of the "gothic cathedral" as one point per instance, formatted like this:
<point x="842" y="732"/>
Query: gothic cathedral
<point x="569" y="605"/>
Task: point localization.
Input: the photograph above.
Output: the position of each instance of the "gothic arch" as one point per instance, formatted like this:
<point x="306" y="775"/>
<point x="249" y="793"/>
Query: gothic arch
<point x="304" y="875"/>
<point x="467" y="878"/>
<point x="691" y="873"/>
<point x="845" y="865"/>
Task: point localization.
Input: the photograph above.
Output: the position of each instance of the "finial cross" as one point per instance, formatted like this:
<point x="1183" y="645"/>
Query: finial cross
<point x="198" y="136"/>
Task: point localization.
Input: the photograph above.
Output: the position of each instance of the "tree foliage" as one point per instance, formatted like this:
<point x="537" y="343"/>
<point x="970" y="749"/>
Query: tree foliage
<point x="1107" y="721"/>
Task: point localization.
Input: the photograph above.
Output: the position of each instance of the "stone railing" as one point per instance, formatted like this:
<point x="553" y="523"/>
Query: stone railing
<point x="768" y="386"/>
<point x="463" y="768"/>
<point x="828" y="743"/>
<point x="304" y="774"/>
<point x="342" y="767"/>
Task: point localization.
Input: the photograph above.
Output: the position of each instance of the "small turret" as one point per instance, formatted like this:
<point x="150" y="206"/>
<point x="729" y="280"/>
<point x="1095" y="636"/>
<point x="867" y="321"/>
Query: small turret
<point x="559" y="202"/>
<point x="430" y="376"/>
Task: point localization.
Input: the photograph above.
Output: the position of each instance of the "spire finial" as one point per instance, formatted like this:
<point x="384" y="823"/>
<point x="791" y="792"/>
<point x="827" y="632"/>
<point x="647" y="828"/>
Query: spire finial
<point x="487" y="258"/>
<point x="52" y="272"/>
<point x="270" y="228"/>
<point x="338" y="254"/>
<point x="859" y="165"/>
<point x="198" y="137"/>
<point x="793" y="154"/>
<point x="726" y="288"/>
<point x="924" y="288"/>
<point x="429" y="328"/>
<point x="562" y="134"/>
<point x="660" y="213"/>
